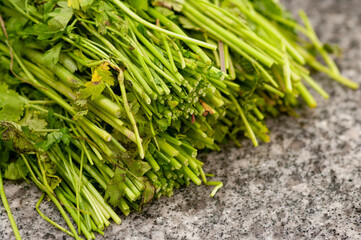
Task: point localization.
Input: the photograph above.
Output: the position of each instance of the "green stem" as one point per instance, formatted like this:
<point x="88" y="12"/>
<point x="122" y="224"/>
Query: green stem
<point x="130" y="114"/>
<point x="245" y="121"/>
<point x="306" y="95"/>
<point x="190" y="11"/>
<point x="22" y="12"/>
<point x="53" y="198"/>
<point x="173" y="27"/>
<point x="48" y="219"/>
<point x="154" y="27"/>
<point x="7" y="208"/>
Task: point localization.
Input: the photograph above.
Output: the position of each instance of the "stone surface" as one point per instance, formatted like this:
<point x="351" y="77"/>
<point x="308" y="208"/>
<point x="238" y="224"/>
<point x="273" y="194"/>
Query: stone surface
<point x="305" y="184"/>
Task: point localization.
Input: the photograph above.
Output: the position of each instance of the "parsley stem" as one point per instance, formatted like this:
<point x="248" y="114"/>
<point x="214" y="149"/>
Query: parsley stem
<point x="306" y="95"/>
<point x="21" y="11"/>
<point x="249" y="130"/>
<point x="37" y="207"/>
<point x="174" y="28"/>
<point x="154" y="27"/>
<point x="7" y="208"/>
<point x="130" y="114"/>
<point x="52" y="196"/>
<point x="190" y="11"/>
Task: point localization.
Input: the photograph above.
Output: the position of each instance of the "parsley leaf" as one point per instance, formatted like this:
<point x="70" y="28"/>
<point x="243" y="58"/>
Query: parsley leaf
<point x="148" y="193"/>
<point x="60" y="16"/>
<point x="55" y="137"/>
<point x="11" y="104"/>
<point x="16" y="170"/>
<point x="101" y="76"/>
<point x="32" y="121"/>
<point x="137" y="167"/>
<point x="115" y="191"/>
<point x="77" y="4"/>
<point x="52" y="55"/>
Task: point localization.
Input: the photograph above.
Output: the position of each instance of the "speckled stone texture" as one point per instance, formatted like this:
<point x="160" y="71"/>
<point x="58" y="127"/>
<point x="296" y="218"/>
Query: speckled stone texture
<point x="305" y="184"/>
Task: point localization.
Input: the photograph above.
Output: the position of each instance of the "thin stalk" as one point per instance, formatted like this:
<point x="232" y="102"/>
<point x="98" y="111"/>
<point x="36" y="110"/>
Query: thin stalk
<point x="313" y="37"/>
<point x="286" y="70"/>
<point x="245" y="121"/>
<point x="315" y="86"/>
<point x="130" y="114"/>
<point x="48" y="219"/>
<point x="190" y="11"/>
<point x="53" y="198"/>
<point x="306" y="95"/>
<point x="156" y="28"/>
<point x="7" y="208"/>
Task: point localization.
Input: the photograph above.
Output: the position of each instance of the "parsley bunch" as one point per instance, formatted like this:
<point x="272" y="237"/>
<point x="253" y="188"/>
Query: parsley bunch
<point x="106" y="103"/>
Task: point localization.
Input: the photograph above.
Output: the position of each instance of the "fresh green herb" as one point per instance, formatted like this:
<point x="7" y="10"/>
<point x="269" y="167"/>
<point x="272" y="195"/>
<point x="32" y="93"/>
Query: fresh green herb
<point x="106" y="103"/>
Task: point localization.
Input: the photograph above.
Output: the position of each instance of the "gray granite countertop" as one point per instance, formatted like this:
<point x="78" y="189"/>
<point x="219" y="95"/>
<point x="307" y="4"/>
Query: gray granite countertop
<point x="305" y="184"/>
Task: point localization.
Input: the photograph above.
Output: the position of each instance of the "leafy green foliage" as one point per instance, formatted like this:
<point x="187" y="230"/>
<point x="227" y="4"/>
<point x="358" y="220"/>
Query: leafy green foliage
<point x="61" y="16"/>
<point x="148" y="193"/>
<point x="11" y="104"/>
<point x="32" y="121"/>
<point x="49" y="169"/>
<point x="189" y="99"/>
<point x="137" y="167"/>
<point x="16" y="170"/>
<point x="55" y="137"/>
<point x="272" y="7"/>
<point x="101" y="76"/>
<point x="43" y="31"/>
<point x="77" y="4"/>
<point x="115" y="190"/>
<point x="52" y="55"/>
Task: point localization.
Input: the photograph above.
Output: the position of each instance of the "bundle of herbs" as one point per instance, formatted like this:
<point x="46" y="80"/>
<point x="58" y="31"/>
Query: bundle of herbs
<point x="105" y="103"/>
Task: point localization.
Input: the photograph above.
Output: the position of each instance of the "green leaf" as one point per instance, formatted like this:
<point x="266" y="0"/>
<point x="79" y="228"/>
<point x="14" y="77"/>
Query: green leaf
<point x="80" y="114"/>
<point x="102" y="73"/>
<point x="32" y="121"/>
<point x="43" y="32"/>
<point x="55" y="137"/>
<point x="148" y="193"/>
<point x="52" y="55"/>
<point x="51" y="118"/>
<point x="137" y="167"/>
<point x="272" y="7"/>
<point x="60" y="16"/>
<point x="4" y="154"/>
<point x="49" y="168"/>
<point x="92" y="89"/>
<point x="16" y="170"/>
<point x="101" y="76"/>
<point x="77" y="4"/>
<point x="115" y="190"/>
<point x="162" y="123"/>
<point x="66" y="135"/>
<point x="11" y="104"/>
